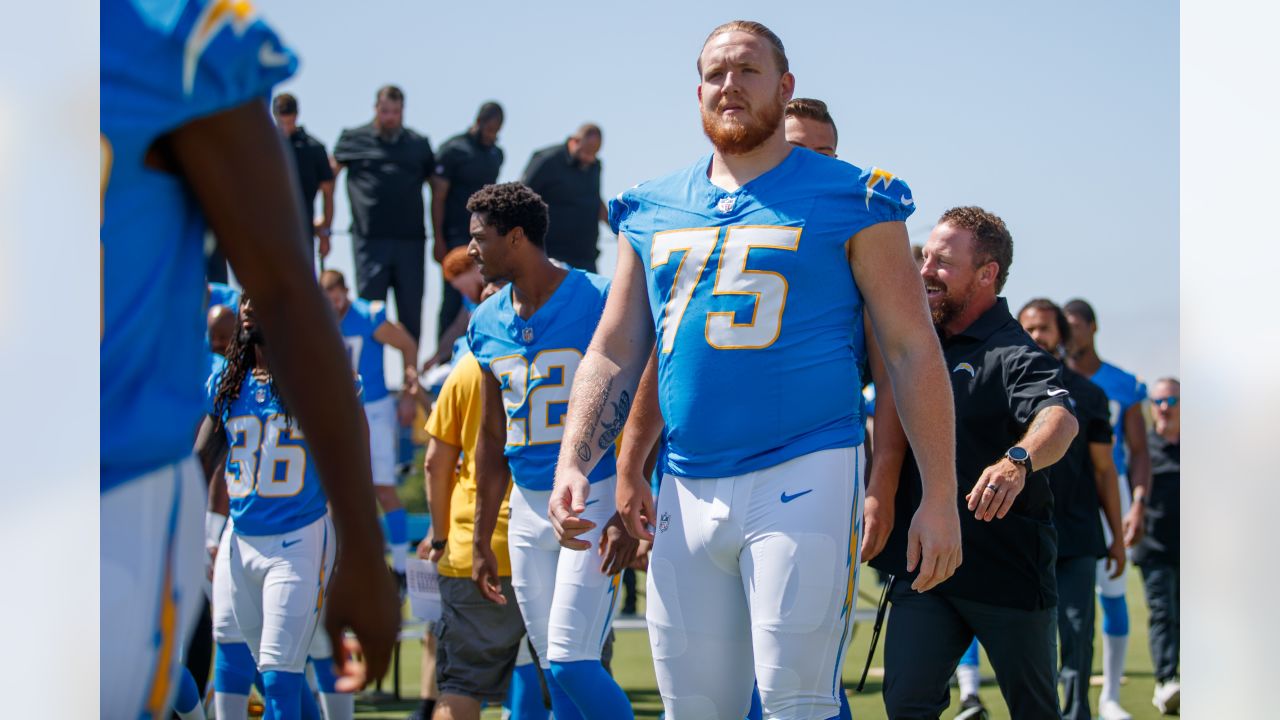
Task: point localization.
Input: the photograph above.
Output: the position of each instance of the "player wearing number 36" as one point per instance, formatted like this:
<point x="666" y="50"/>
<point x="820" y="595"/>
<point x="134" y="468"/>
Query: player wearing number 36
<point x="751" y="269"/>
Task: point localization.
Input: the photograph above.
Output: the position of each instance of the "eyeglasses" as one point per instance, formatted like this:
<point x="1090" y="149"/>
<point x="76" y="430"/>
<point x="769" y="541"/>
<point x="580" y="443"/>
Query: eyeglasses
<point x="1164" y="402"/>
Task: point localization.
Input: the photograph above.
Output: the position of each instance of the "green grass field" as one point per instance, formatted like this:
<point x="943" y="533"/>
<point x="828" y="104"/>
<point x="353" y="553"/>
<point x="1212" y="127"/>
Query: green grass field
<point x="633" y="667"/>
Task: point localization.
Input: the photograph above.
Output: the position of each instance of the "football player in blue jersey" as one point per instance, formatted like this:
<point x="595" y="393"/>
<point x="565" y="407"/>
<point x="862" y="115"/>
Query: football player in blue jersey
<point x="1125" y="394"/>
<point x="366" y="331"/>
<point x="750" y="267"/>
<point x="186" y="137"/>
<point x="529" y="339"/>
<point x="279" y="551"/>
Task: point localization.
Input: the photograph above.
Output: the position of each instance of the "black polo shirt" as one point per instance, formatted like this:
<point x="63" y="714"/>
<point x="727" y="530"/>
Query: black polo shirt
<point x="1161" y="542"/>
<point x="312" y="165"/>
<point x="1000" y="379"/>
<point x="468" y="166"/>
<point x="1075" y="490"/>
<point x="572" y="194"/>
<point x="384" y="181"/>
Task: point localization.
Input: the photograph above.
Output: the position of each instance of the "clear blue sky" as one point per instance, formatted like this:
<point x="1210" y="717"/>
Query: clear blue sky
<point x="1063" y="119"/>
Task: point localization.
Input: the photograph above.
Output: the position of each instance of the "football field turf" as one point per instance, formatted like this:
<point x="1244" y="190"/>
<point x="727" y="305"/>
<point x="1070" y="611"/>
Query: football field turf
<point x="633" y="667"/>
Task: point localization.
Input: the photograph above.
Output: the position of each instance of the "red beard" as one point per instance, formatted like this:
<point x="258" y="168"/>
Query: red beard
<point x="740" y="135"/>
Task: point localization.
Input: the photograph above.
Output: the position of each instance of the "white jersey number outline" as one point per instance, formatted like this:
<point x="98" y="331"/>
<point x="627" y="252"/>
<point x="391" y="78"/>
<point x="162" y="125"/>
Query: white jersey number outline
<point x="256" y="458"/>
<point x="521" y="374"/>
<point x="768" y="289"/>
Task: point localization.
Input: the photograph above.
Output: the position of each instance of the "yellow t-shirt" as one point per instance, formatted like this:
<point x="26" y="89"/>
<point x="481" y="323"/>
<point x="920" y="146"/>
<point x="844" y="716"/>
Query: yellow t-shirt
<point x="455" y="419"/>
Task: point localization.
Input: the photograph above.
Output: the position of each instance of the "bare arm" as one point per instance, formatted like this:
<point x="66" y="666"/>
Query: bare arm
<point x="326" y="203"/>
<point x="211" y="448"/>
<point x="1107" y="481"/>
<point x="886" y="273"/>
<point x="235" y="165"/>
<point x="1046" y="440"/>
<point x="602" y="394"/>
<point x="397" y="336"/>
<point x="456" y="329"/>
<point x="890" y="452"/>
<point x="604" y="213"/>
<point x="639" y="446"/>
<point x="1135" y="437"/>
<point x="440" y="475"/>
<point x="439" y="191"/>
<point x="492" y="476"/>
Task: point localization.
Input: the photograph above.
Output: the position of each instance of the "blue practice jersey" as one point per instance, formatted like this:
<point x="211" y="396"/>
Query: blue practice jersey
<point x="1123" y="390"/>
<point x="362" y="319"/>
<point x="534" y="361"/>
<point x="217" y="363"/>
<point x="223" y="294"/>
<point x="757" y="314"/>
<point x="272" y="484"/>
<point x="163" y="64"/>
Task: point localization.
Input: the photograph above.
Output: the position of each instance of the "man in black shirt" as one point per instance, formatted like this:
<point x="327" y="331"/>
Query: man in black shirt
<point x="1012" y="422"/>
<point x="1158" y="552"/>
<point x="387" y="164"/>
<point x="311" y="163"/>
<point x="1084" y="482"/>
<point x="567" y="176"/>
<point x="464" y="164"/>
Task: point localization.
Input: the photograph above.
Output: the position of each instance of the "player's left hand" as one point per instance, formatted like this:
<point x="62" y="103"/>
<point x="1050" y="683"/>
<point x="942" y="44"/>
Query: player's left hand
<point x="994" y="493"/>
<point x="1116" y="558"/>
<point x="617" y="547"/>
<point x="568" y="502"/>
<point x="322" y="233"/>
<point x="1135" y="525"/>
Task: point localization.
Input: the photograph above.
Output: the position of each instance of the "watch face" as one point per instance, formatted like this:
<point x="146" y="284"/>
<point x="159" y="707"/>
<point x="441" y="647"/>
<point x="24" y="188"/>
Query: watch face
<point x="1017" y="454"/>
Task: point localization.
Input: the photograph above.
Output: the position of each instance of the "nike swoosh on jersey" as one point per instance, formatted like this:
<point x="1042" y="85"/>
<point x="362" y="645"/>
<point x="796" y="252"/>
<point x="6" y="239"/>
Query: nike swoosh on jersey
<point x="592" y="502"/>
<point x="268" y="56"/>
<point x="290" y="543"/>
<point x="788" y="498"/>
<point x="1055" y="392"/>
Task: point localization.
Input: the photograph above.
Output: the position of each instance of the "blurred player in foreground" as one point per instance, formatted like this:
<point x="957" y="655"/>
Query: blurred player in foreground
<point x="185" y="137"/>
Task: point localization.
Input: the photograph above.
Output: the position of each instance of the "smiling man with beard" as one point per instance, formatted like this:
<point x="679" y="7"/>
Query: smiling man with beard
<point x="750" y="269"/>
<point x="1012" y="421"/>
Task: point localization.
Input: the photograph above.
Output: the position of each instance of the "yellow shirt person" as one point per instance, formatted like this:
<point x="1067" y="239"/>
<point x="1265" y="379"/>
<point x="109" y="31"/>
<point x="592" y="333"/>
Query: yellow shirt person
<point x="453" y="427"/>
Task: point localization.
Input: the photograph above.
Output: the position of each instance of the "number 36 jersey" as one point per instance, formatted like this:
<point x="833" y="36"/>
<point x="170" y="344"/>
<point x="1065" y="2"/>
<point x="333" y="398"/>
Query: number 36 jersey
<point x="272" y="484"/>
<point x="534" y="362"/>
<point x="757" y="314"/>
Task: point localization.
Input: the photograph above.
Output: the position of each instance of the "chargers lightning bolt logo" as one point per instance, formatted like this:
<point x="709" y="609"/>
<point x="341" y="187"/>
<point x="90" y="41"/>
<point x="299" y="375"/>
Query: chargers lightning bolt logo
<point x="878" y="177"/>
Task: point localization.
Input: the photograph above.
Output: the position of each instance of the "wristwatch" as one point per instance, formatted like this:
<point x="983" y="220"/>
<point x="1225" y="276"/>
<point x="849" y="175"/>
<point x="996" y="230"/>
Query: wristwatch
<point x="438" y="544"/>
<point x="1019" y="456"/>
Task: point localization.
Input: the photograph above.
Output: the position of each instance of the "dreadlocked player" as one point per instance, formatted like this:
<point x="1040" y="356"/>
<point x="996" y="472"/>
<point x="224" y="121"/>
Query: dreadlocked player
<point x="279" y="551"/>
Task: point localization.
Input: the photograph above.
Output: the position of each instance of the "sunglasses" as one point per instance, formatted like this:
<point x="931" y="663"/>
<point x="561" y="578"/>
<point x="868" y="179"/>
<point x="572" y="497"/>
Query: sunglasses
<point x="1171" y="401"/>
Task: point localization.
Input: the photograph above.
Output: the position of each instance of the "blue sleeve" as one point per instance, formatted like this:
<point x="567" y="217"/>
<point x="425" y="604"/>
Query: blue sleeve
<point x="475" y="345"/>
<point x="619" y="209"/>
<point x="211" y="391"/>
<point x="377" y="314"/>
<point x="886" y="197"/>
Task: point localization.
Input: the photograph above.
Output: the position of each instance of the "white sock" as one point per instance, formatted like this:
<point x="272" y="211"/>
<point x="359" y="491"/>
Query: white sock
<point x="1113" y="654"/>
<point x="399" y="554"/>
<point x="338" y="706"/>
<point x="967" y="678"/>
<point x="228" y="706"/>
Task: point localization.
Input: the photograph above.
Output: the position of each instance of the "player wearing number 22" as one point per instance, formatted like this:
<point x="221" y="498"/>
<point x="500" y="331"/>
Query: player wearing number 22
<point x="529" y="338"/>
<point x="281" y="545"/>
<point x="748" y="271"/>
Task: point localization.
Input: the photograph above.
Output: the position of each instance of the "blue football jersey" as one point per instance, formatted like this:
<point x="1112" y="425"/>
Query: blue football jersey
<point x="223" y="294"/>
<point x="757" y="314"/>
<point x="534" y="361"/>
<point x="272" y="484"/>
<point x="1123" y="390"/>
<point x="362" y="319"/>
<point x="164" y="63"/>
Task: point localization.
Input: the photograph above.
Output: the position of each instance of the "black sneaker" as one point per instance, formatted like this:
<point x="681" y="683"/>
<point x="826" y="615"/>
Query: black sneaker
<point x="971" y="708"/>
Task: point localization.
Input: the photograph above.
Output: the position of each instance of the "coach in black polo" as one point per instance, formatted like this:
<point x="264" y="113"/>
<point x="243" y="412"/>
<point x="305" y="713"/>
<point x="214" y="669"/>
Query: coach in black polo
<point x="567" y="176"/>
<point x="387" y="165"/>
<point x="311" y="163"/>
<point x="1012" y="421"/>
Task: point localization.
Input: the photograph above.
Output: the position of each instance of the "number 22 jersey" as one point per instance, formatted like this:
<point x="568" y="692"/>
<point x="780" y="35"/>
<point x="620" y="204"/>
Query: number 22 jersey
<point x="757" y="314"/>
<point x="534" y="362"/>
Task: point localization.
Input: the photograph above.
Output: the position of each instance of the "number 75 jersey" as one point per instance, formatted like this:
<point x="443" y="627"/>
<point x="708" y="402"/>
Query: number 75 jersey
<point x="535" y="361"/>
<point x="757" y="315"/>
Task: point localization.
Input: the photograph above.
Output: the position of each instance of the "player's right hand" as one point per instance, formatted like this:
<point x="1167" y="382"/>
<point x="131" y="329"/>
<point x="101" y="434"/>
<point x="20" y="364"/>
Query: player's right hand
<point x="439" y="250"/>
<point x="933" y="543"/>
<point x="361" y="597"/>
<point x="426" y="552"/>
<point x="617" y="548"/>
<point x="1116" y="558"/>
<point x="635" y="506"/>
<point x="568" y="502"/>
<point x="877" y="523"/>
<point x="484" y="572"/>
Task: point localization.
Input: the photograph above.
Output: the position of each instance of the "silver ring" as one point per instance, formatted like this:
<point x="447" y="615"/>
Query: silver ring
<point x="990" y="486"/>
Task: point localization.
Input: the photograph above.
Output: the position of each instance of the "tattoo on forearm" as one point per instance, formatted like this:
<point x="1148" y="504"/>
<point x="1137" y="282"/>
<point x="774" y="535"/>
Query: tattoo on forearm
<point x="614" y="426"/>
<point x="1037" y="424"/>
<point x="583" y="450"/>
